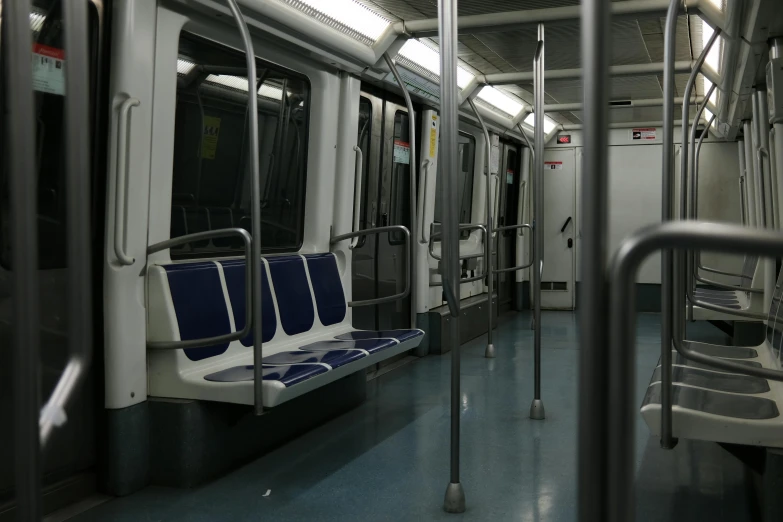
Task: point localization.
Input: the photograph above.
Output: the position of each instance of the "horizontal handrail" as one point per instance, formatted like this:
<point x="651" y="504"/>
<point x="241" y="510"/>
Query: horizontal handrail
<point x="217" y="339"/>
<point x="380" y="230"/>
<point x="518" y="267"/>
<point x="463" y="226"/>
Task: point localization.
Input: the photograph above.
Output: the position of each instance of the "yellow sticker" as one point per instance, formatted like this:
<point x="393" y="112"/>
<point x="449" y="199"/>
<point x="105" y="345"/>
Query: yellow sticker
<point x="433" y="141"/>
<point x="209" y="138"/>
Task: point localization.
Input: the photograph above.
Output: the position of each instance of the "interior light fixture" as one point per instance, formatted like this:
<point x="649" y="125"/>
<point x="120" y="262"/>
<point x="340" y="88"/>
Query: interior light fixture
<point x="429" y="58"/>
<point x="352" y="14"/>
<point x="501" y="100"/>
<point x="240" y="83"/>
<point x="549" y="125"/>
<point x="184" y="66"/>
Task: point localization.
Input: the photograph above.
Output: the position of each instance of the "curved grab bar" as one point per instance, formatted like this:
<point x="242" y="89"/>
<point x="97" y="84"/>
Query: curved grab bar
<point x="119" y="188"/>
<point x="391" y="228"/>
<point x="463" y="226"/>
<point x="357" y="197"/>
<point x="518" y="267"/>
<point x="210" y="341"/>
<point x="423" y="206"/>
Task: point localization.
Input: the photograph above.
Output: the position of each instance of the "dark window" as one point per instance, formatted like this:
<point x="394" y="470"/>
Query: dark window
<point x="211" y="187"/>
<point x="400" y="207"/>
<point x="364" y="139"/>
<point x="466" y="145"/>
<point x="512" y="192"/>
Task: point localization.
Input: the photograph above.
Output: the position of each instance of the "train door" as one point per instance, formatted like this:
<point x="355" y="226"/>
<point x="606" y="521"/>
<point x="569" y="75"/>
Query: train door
<point x="379" y="261"/>
<point x="557" y="281"/>
<point x="506" y="216"/>
<point x="69" y="459"/>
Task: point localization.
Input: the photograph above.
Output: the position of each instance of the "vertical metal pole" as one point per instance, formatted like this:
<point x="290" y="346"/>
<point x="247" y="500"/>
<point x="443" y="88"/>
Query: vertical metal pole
<point x="255" y="204"/>
<point x="742" y="186"/>
<point x="758" y="169"/>
<point x="537" y="411"/>
<point x="667" y="208"/>
<point x="414" y="167"/>
<point x="770" y="275"/>
<point x="593" y="317"/>
<point x="20" y="118"/>
<point x="750" y="174"/>
<point x="489" y="352"/>
<point x="454" y="501"/>
<point x="694" y="258"/>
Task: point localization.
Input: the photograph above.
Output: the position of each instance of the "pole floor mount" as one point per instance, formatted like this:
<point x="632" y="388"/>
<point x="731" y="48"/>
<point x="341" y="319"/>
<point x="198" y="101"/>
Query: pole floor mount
<point x="455" y="498"/>
<point x="537" y="411"/>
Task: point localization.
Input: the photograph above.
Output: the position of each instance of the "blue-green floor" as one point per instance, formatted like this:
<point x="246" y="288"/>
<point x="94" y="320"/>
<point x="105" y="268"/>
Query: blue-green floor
<point x="388" y="458"/>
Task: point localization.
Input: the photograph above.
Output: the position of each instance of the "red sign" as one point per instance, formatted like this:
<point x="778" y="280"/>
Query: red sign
<point x="564" y="139"/>
<point x="553" y="165"/>
<point x="52" y="52"/>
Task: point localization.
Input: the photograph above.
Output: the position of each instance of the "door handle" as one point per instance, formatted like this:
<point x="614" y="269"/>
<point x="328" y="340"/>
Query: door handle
<point x="570" y="243"/>
<point x="567" y="221"/>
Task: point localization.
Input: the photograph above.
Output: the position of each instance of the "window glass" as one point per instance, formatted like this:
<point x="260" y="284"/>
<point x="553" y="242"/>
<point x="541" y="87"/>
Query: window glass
<point x="466" y="149"/>
<point x="211" y="187"/>
<point x="512" y="192"/>
<point x="364" y="139"/>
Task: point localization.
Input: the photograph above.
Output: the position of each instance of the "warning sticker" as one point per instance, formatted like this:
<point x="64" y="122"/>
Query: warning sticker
<point x="402" y="152"/>
<point x="553" y="165"/>
<point x="643" y="134"/>
<point x="509" y="177"/>
<point x="48" y="69"/>
<point x="209" y="139"/>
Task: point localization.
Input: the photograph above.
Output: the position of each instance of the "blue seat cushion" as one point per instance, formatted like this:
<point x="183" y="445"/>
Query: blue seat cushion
<point x="327" y="288"/>
<point x="234" y="272"/>
<point x="399" y="335"/>
<point x="334" y="358"/>
<point x="368" y="345"/>
<point x="288" y="375"/>
<point x="200" y="306"/>
<point x="294" y="301"/>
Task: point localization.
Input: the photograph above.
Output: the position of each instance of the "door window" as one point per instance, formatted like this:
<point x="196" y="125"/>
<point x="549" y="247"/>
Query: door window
<point x="399" y="210"/>
<point x="466" y="150"/>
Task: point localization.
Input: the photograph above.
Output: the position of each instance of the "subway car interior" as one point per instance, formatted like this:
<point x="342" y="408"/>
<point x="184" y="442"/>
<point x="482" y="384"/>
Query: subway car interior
<point x="507" y="260"/>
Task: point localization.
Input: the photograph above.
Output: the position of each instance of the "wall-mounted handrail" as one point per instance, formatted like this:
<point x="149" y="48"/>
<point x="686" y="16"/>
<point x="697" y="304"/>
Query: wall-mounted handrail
<point x="254" y="159"/>
<point x="521" y="206"/>
<point x="762" y="152"/>
<point x="518" y="267"/>
<point x="225" y="338"/>
<point x="425" y="180"/>
<point x="121" y="181"/>
<point x="412" y="185"/>
<point x="461" y="281"/>
<point x="490" y="349"/>
<point x="620" y="371"/>
<point x="79" y="231"/>
<point x="396" y="297"/>
<point x="357" y="197"/>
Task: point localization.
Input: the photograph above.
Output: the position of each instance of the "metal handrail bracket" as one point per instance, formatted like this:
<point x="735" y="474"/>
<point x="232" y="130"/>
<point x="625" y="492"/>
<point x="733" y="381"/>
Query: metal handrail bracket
<point x="379" y="230"/>
<point x="210" y="341"/>
<point x="464" y="226"/>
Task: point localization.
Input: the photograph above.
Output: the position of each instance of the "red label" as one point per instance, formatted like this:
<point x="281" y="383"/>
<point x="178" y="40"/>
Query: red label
<point x="401" y="143"/>
<point x="553" y="163"/>
<point x="564" y="139"/>
<point x="51" y="52"/>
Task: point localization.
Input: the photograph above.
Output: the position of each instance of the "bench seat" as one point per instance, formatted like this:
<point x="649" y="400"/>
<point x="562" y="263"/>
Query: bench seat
<point x="307" y="335"/>
<point x="724" y="406"/>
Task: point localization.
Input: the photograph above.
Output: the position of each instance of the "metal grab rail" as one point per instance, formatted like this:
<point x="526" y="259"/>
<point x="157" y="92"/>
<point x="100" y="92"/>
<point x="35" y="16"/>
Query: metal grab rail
<point x="253" y="159"/>
<point x="357" y="197"/>
<point x="490" y="350"/>
<point x="200" y="236"/>
<point x="425" y="180"/>
<point x="462" y="226"/>
<point x="692" y="257"/>
<point x="120" y="181"/>
<point x="412" y="184"/>
<point x="620" y="373"/>
<point x="391" y="228"/>
<point x="518" y="267"/>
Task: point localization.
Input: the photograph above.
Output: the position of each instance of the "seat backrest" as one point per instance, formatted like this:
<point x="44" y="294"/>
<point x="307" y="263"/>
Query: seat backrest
<point x="748" y="270"/>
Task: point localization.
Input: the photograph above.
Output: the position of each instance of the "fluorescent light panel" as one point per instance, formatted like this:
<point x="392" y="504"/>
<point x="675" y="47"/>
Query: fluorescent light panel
<point x="548" y="124"/>
<point x="184" y="66"/>
<point x="352" y="14"/>
<point x="713" y="57"/>
<point x="499" y="99"/>
<point x="429" y="58"/>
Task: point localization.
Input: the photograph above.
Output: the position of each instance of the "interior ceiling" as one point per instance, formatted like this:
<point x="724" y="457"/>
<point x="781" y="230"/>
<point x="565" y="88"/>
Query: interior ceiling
<point x="635" y="41"/>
